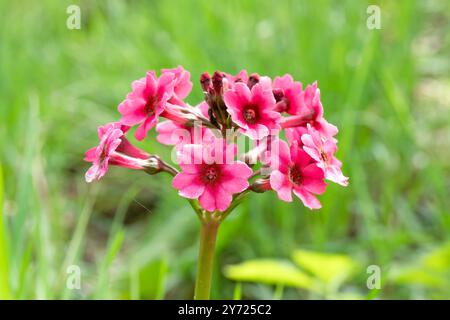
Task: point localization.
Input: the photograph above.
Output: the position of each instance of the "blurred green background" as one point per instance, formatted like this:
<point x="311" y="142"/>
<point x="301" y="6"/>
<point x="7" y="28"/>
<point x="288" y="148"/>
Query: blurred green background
<point x="387" y="90"/>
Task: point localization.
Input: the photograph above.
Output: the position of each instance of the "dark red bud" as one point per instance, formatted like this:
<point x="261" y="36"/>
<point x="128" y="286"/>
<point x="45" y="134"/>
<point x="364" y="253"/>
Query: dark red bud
<point x="278" y="94"/>
<point x="205" y="81"/>
<point x="252" y="80"/>
<point x="217" y="81"/>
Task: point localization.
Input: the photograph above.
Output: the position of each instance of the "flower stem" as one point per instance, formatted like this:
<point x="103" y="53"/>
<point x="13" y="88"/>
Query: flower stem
<point x="209" y="228"/>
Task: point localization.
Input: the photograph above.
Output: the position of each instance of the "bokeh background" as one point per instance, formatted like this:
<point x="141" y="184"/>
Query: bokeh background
<point x="130" y="234"/>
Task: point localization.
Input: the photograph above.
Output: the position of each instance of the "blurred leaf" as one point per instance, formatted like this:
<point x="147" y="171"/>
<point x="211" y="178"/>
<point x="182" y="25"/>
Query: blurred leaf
<point x="438" y="259"/>
<point x="327" y="267"/>
<point x="104" y="267"/>
<point x="268" y="271"/>
<point x="4" y="279"/>
<point x="432" y="271"/>
<point x="152" y="279"/>
<point x="237" y="293"/>
<point x="420" y="276"/>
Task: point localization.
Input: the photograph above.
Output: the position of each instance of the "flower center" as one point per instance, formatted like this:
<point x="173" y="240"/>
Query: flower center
<point x="295" y="175"/>
<point x="250" y="115"/>
<point x="150" y="106"/>
<point x="210" y="174"/>
<point x="103" y="154"/>
<point x="324" y="156"/>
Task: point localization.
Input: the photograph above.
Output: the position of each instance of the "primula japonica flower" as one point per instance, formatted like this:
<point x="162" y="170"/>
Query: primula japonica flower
<point x="182" y="84"/>
<point x="288" y="94"/>
<point x="253" y="110"/>
<point x="146" y="102"/>
<point x="208" y="174"/>
<point x="245" y="103"/>
<point x="322" y="149"/>
<point x="310" y="112"/>
<point x="297" y="172"/>
<point x="114" y="149"/>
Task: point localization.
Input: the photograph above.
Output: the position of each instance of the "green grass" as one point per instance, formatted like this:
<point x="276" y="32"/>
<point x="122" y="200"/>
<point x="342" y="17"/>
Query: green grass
<point x="386" y="90"/>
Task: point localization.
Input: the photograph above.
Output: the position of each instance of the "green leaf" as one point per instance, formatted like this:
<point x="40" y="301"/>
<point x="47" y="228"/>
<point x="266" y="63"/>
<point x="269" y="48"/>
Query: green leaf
<point x="269" y="271"/>
<point x="327" y="267"/>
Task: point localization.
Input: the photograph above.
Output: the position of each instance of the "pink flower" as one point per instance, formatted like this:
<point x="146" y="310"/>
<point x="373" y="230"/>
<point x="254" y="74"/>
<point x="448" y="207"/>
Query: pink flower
<point x="113" y="149"/>
<point x="288" y="94"/>
<point x="252" y="110"/>
<point x="311" y="112"/>
<point x="209" y="175"/>
<point x="146" y="102"/>
<point x="297" y="172"/>
<point x="322" y="150"/>
<point x="178" y="134"/>
<point x="182" y="84"/>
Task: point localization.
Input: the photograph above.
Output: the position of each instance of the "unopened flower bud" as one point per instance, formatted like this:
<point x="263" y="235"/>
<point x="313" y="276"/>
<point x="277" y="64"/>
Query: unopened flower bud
<point x="278" y="94"/>
<point x="205" y="81"/>
<point x="217" y="83"/>
<point x="260" y="185"/>
<point x="152" y="165"/>
<point x="252" y="80"/>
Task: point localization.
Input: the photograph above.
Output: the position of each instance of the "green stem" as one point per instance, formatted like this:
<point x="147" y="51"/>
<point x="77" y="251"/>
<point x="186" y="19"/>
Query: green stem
<point x="208" y="236"/>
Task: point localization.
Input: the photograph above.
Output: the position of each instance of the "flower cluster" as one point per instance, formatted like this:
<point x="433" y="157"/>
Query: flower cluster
<point x="252" y="107"/>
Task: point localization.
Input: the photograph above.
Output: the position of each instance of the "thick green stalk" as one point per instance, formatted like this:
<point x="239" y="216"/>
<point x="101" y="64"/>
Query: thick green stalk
<point x="208" y="237"/>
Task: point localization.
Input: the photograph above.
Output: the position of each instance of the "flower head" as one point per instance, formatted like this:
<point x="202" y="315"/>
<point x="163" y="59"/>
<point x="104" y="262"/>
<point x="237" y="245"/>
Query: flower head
<point x="113" y="149"/>
<point x="322" y="150"/>
<point x="210" y="174"/>
<point x="253" y="110"/>
<point x="297" y="172"/>
<point x="147" y="101"/>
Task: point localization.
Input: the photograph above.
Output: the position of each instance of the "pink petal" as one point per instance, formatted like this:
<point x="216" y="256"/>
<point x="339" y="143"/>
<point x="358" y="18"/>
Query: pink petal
<point x="144" y="128"/>
<point x="316" y="186"/>
<point x="191" y="154"/>
<point x="234" y="185"/>
<point x="165" y="84"/>
<point x="207" y="200"/>
<point x="132" y="112"/>
<point x="215" y="198"/>
<point x="283" y="82"/>
<point x="308" y="199"/>
<point x="90" y="155"/>
<point x="299" y="156"/>
<point x="91" y="173"/>
<point x="280" y="156"/>
<point x="280" y="183"/>
<point x="237" y="169"/>
<point x="335" y="175"/>
<point x="151" y="83"/>
<point x="189" y="185"/>
<point x="223" y="199"/>
<point x="313" y="171"/>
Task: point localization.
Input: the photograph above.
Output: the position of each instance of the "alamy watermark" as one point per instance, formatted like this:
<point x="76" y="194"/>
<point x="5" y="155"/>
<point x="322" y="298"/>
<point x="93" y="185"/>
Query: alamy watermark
<point x="374" y="19"/>
<point x="374" y="279"/>
<point x="73" y="281"/>
<point x="74" y="19"/>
